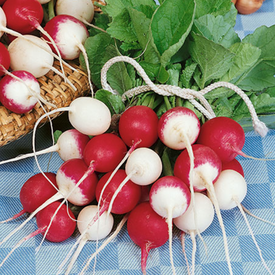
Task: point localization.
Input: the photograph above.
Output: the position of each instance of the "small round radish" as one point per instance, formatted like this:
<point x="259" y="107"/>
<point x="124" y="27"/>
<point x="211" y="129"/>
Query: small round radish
<point x="70" y="144"/>
<point x="4" y="59"/>
<point x="230" y="190"/>
<point x="19" y="96"/>
<point x="34" y="192"/>
<point x="61" y="228"/>
<point x="196" y="221"/>
<point x="233" y="165"/>
<point x="224" y="135"/>
<point x="99" y="230"/>
<point x="104" y="151"/>
<point x="206" y="165"/>
<point x="83" y="10"/>
<point x="170" y="197"/>
<point x="146" y="229"/>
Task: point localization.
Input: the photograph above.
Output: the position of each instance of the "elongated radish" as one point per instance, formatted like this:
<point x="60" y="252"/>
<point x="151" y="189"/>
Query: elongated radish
<point x="207" y="168"/>
<point x="20" y="92"/>
<point x="34" y="192"/>
<point x="146" y="229"/>
<point x="69" y="173"/>
<point x="69" y="35"/>
<point x="69" y="145"/>
<point x="61" y="228"/>
<point x="204" y="215"/>
<point x="83" y="11"/>
<point x="4" y="59"/>
<point x="99" y="230"/>
<point x="230" y="190"/>
<point x="143" y="167"/>
<point x="170" y="197"/>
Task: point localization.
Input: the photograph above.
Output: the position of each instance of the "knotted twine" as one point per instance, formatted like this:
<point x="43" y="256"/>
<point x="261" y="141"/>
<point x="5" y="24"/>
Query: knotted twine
<point x="189" y="94"/>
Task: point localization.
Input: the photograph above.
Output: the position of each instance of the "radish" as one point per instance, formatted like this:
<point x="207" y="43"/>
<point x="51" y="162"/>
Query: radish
<point x="61" y="229"/>
<point x="230" y="190"/>
<point x="4" y="59"/>
<point x="233" y="165"/>
<point x="225" y="136"/>
<point x="99" y="230"/>
<point x="146" y="229"/>
<point x="69" y="173"/>
<point x="70" y="144"/>
<point x="207" y="168"/>
<point x="69" y="35"/>
<point x="204" y="214"/>
<point x="34" y="192"/>
<point x="20" y="92"/>
<point x="170" y="197"/>
<point x="143" y="167"/>
<point x="83" y="11"/>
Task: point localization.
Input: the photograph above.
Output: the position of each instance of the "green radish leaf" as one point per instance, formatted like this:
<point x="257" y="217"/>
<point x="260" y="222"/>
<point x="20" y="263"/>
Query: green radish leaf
<point x="56" y="135"/>
<point x="171" y="24"/>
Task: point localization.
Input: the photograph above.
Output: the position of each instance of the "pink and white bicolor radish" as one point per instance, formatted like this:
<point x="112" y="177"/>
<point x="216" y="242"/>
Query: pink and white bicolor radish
<point x="99" y="230"/>
<point x="69" y="173"/>
<point x="207" y="168"/>
<point x="233" y="165"/>
<point x="61" y="229"/>
<point x="34" y="192"/>
<point x="69" y="35"/>
<point x="4" y="59"/>
<point x="147" y="229"/>
<point x="69" y="145"/>
<point x="83" y="11"/>
<point x="20" y="92"/>
<point x="170" y="197"/>
<point x="204" y="216"/>
<point x="230" y="190"/>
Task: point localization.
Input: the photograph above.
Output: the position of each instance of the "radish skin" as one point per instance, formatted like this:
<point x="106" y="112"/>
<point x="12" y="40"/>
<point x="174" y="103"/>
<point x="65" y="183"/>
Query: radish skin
<point x="4" y="59"/>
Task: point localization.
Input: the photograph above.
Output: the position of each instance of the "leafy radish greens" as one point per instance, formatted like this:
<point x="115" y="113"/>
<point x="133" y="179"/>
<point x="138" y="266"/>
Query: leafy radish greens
<point x="186" y="43"/>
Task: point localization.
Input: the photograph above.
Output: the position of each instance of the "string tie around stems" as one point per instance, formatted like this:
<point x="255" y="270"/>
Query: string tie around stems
<point x="167" y="90"/>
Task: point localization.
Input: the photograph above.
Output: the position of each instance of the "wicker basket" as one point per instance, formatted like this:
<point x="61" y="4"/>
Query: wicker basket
<point x="54" y="90"/>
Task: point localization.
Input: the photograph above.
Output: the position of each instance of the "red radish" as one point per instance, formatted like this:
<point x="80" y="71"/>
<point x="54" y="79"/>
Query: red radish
<point x="61" y="229"/>
<point x="143" y="167"/>
<point x="2" y="2"/>
<point x="4" y="59"/>
<point x="83" y="11"/>
<point x="69" y="173"/>
<point x="207" y="168"/>
<point x="233" y="165"/>
<point x="35" y="191"/>
<point x="69" y="35"/>
<point x="230" y="190"/>
<point x="224" y="135"/>
<point x="146" y="229"/>
<point x="20" y="92"/>
<point x="170" y="197"/>
<point x="70" y="144"/>
<point x="207" y="164"/>
<point x="194" y="222"/>
<point x="99" y="230"/>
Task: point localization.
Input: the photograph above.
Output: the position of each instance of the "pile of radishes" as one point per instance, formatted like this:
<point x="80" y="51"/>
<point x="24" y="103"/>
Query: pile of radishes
<point x="113" y="174"/>
<point x="28" y="50"/>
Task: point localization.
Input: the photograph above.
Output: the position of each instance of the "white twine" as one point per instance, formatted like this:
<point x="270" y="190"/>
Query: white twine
<point x="189" y="94"/>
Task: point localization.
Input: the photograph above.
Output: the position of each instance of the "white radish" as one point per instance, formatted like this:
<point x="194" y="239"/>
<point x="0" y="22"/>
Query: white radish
<point x="230" y="190"/>
<point x="204" y="217"/>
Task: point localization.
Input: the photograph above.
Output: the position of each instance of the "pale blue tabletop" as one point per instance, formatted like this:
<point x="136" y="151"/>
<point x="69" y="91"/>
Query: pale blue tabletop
<point x="122" y="256"/>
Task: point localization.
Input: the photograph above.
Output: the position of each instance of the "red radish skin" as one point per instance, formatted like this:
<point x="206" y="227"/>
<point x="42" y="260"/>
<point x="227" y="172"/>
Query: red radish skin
<point x="104" y="151"/>
<point x="233" y="165"/>
<point x="138" y="126"/>
<point x="170" y="197"/>
<point x="146" y="229"/>
<point x="34" y="192"/>
<point x="224" y="135"/>
<point x="16" y="96"/>
<point x="4" y="59"/>
<point x="206" y="162"/>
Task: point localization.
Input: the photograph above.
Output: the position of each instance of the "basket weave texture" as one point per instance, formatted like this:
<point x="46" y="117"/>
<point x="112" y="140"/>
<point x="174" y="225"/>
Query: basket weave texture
<point x="53" y="89"/>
